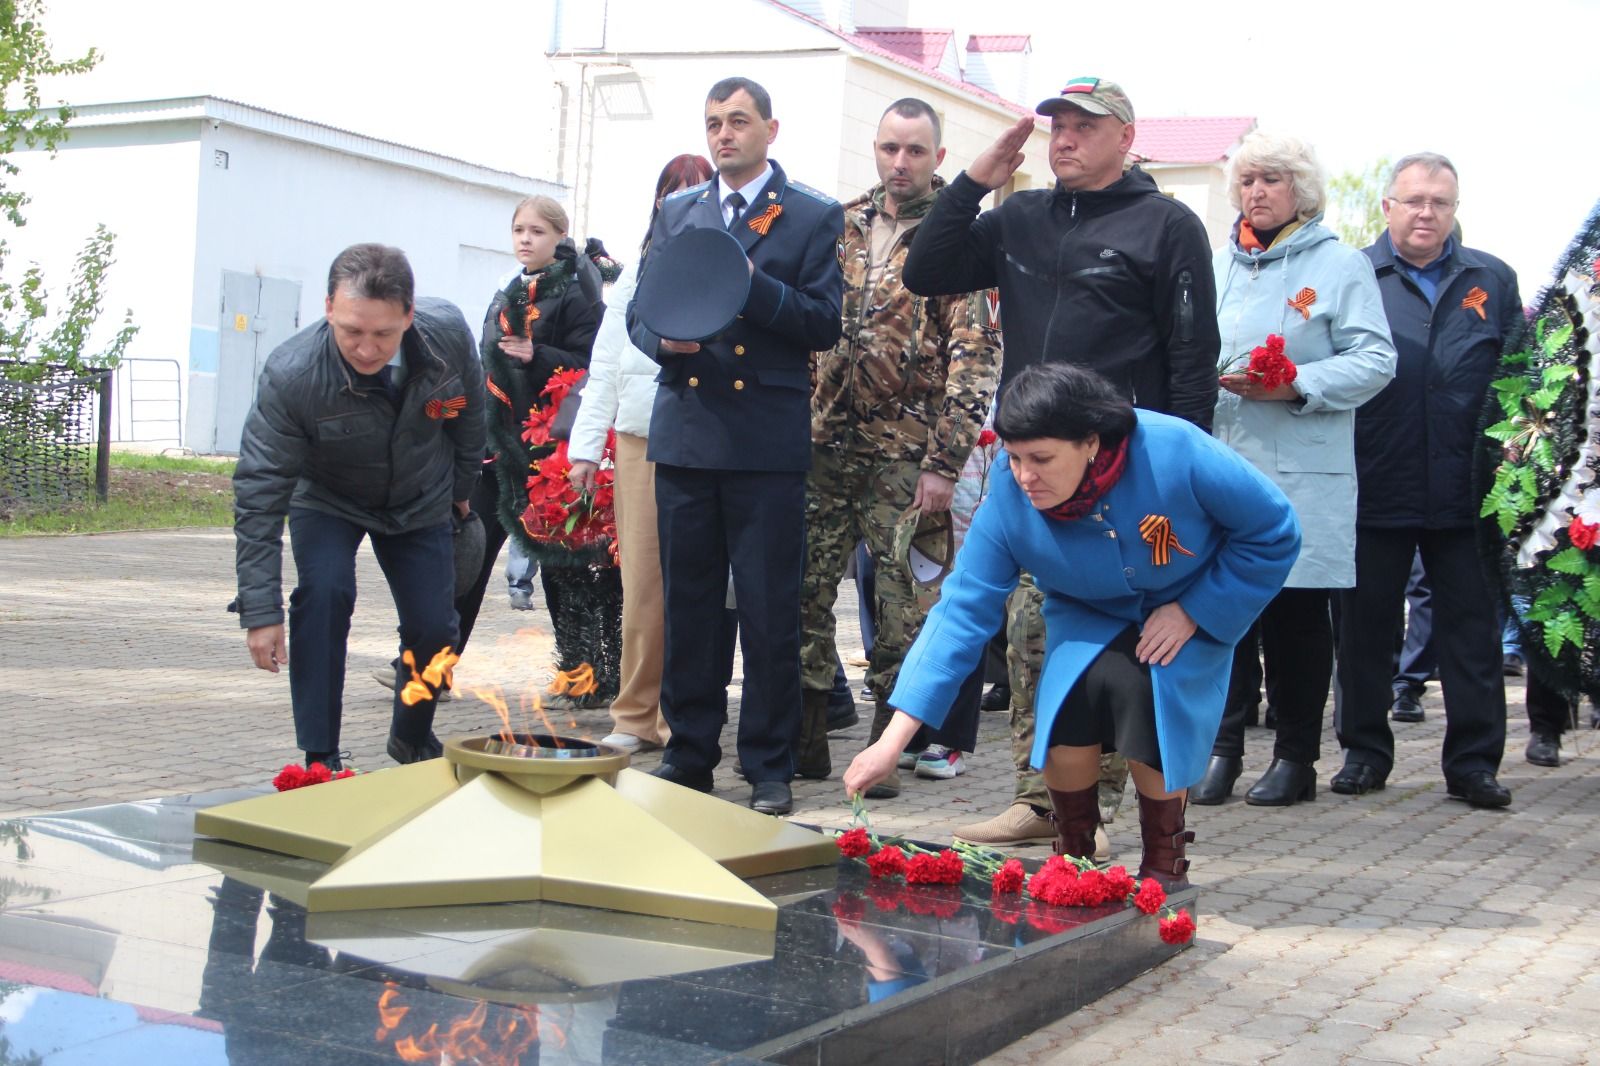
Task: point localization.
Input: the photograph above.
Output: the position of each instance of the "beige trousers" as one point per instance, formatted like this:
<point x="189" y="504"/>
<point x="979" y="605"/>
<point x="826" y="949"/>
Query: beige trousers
<point x="637" y="708"/>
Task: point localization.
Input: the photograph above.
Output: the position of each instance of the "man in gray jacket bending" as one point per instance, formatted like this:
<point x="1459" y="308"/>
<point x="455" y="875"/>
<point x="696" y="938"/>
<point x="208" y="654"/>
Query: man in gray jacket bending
<point x="369" y="423"/>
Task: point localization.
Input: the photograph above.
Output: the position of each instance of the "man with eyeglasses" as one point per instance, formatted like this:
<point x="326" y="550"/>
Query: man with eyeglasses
<point x="1450" y="308"/>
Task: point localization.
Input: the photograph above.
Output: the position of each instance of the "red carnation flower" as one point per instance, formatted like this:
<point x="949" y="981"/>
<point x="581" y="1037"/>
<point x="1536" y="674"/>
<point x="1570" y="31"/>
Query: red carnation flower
<point x="885" y="897"/>
<point x="987" y="437"/>
<point x="342" y="774"/>
<point x="1178" y="929"/>
<point x="887" y="862"/>
<point x="1119" y="883"/>
<point x="1582" y="534"/>
<point x="854" y="844"/>
<point x="1270" y="366"/>
<point x="293" y="775"/>
<point x="1008" y="878"/>
<point x="851" y="908"/>
<point x="1151" y="896"/>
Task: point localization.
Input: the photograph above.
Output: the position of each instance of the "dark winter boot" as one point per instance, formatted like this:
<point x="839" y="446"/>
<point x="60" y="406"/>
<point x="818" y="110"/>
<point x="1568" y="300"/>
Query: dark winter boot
<point x="889" y="787"/>
<point x="811" y="757"/>
<point x="1161" y="826"/>
<point x="1077" y="816"/>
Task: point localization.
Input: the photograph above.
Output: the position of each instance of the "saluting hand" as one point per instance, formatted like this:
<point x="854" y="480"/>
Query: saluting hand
<point x="995" y="165"/>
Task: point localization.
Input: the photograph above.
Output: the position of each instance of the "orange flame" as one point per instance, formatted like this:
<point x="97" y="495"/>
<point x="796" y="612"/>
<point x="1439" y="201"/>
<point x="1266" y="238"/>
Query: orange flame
<point x="514" y="1031"/>
<point x="578" y="681"/>
<point x="435" y="677"/>
<point x="389" y="1016"/>
<point x="496" y="700"/>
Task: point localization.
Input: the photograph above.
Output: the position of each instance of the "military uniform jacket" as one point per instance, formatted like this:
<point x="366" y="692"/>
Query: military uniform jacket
<point x="913" y="377"/>
<point x="743" y="401"/>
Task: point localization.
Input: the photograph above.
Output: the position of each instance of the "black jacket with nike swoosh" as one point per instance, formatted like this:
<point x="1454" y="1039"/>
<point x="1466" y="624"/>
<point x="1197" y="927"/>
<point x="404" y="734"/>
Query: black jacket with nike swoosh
<point x="1116" y="279"/>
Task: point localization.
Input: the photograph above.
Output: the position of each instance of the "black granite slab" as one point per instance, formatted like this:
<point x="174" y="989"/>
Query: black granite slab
<point x="121" y="941"/>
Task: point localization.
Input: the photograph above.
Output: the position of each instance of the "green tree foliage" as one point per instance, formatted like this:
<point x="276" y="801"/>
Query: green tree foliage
<point x="26" y="125"/>
<point x="1355" y="203"/>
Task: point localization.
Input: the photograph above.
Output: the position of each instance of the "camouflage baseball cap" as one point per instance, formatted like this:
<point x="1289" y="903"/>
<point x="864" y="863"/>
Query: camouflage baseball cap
<point x="1094" y="95"/>
<point x="924" y="546"/>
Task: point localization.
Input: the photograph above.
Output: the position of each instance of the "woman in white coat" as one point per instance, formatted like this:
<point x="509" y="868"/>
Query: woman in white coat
<point x="620" y="394"/>
<point x="1283" y="272"/>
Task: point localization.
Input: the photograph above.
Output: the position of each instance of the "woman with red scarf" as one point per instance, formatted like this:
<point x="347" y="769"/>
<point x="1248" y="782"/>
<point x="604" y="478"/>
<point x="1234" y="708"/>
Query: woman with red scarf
<point x="1155" y="547"/>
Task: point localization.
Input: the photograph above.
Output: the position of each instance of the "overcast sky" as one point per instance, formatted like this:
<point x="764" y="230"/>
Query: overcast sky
<point x="1508" y="91"/>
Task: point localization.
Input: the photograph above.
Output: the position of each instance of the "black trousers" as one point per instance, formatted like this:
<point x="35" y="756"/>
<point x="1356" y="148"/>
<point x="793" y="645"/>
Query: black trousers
<point x="486" y="505"/>
<point x="1297" y="640"/>
<point x="1466" y="640"/>
<point x="753" y="521"/>
<point x="1548" y="710"/>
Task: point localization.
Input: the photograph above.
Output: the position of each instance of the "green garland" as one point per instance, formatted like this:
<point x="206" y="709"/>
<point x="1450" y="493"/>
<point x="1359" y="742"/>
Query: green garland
<point x="1538" y="469"/>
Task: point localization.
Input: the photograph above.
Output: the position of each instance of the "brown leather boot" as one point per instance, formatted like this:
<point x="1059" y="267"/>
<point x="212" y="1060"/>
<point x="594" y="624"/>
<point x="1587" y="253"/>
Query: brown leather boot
<point x="1077" y="816"/>
<point x="889" y="787"/>
<point x="811" y="756"/>
<point x="1161" y="826"/>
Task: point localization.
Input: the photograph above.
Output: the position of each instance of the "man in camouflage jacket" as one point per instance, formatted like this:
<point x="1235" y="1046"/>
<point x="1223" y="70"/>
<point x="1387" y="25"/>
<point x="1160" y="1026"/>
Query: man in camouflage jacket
<point x="896" y="407"/>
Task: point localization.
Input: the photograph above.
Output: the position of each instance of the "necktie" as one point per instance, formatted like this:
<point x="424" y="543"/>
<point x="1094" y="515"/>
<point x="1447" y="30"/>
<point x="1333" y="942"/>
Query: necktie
<point x="735" y="204"/>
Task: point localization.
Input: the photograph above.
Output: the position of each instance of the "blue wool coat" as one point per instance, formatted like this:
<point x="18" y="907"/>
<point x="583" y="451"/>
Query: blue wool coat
<point x="1098" y="576"/>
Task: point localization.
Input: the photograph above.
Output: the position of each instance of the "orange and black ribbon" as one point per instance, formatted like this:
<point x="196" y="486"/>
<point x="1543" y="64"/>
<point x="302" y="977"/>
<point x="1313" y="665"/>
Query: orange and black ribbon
<point x="496" y="391"/>
<point x="763" y="222"/>
<point x="1474" y="301"/>
<point x="1303" y="300"/>
<point x="450" y="408"/>
<point x="1156" y="531"/>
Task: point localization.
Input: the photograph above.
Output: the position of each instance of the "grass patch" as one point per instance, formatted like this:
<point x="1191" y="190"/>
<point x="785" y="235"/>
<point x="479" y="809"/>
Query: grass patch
<point x="147" y="492"/>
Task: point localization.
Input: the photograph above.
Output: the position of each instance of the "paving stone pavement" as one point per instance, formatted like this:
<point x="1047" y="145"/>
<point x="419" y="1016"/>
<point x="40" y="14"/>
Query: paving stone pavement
<point x="1399" y="927"/>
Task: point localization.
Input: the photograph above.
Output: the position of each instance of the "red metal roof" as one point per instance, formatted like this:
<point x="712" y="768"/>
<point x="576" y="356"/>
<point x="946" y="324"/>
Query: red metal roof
<point x="925" y="48"/>
<point x="998" y="42"/>
<point x="1187" y="140"/>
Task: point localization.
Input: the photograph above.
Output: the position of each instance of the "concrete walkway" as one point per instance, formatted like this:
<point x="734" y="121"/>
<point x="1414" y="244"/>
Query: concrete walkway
<point x="1399" y="927"/>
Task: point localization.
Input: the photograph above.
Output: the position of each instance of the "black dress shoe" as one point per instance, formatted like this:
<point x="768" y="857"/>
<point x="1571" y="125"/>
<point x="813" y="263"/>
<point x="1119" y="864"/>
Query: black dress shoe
<point x="1544" y="749"/>
<point x="1357" y="779"/>
<point x="1407" y="706"/>
<point x="998" y="698"/>
<point x="1480" y="789"/>
<point x="771" y="797"/>
<point x="1512" y="665"/>
<point x="1217" y="785"/>
<point x="842" y="715"/>
<point x="1284" y="784"/>
<point x="404" y="752"/>
<point x="667" y="772"/>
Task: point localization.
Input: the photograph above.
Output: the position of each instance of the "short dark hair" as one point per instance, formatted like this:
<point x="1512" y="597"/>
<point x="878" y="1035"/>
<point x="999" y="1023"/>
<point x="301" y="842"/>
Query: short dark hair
<point x="1063" y="401"/>
<point x="725" y="88"/>
<point x="911" y="107"/>
<point x="373" y="272"/>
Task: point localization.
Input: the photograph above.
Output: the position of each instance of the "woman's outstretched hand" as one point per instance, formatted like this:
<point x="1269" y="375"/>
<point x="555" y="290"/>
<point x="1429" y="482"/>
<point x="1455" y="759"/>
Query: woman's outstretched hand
<point x="871" y="766"/>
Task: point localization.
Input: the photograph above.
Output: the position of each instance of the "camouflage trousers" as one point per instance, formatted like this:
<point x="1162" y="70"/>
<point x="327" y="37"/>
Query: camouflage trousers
<point x="850" y="498"/>
<point x="1024" y="662"/>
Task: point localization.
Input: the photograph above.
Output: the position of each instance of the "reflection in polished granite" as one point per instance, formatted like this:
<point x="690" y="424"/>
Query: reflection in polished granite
<point x="123" y="940"/>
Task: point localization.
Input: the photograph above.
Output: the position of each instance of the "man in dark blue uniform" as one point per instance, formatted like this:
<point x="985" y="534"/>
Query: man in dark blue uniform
<point x="1450" y="310"/>
<point x="731" y="439"/>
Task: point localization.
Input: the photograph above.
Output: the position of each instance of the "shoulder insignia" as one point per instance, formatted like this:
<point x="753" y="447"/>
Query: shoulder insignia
<point x="690" y="191"/>
<point x="822" y="198"/>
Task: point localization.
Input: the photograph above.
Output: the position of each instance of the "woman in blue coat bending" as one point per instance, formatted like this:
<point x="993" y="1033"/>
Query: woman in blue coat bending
<point x="1156" y="547"/>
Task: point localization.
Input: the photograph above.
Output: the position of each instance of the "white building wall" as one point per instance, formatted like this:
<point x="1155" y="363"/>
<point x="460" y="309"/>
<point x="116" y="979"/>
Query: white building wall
<point x="145" y="194"/>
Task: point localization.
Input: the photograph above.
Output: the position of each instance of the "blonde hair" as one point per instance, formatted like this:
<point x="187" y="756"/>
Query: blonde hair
<point x="1274" y="153"/>
<point x="547" y="209"/>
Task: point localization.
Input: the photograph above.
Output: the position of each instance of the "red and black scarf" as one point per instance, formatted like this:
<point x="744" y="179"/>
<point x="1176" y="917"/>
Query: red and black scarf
<point x="1103" y="473"/>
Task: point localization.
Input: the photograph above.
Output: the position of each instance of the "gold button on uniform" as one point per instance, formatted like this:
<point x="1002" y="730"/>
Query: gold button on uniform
<point x="737" y="385"/>
<point x="738" y="349"/>
<point x="694" y="383"/>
